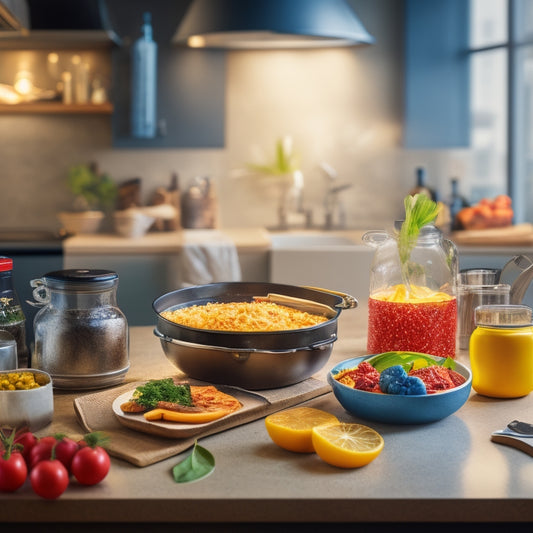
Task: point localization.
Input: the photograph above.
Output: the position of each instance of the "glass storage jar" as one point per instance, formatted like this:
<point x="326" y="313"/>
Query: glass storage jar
<point x="501" y="351"/>
<point x="81" y="336"/>
<point x="412" y="304"/>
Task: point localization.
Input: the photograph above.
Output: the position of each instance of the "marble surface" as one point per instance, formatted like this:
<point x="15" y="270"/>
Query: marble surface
<point x="448" y="471"/>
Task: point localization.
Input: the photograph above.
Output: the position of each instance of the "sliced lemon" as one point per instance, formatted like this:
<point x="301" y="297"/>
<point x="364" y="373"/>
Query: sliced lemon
<point x="416" y="294"/>
<point x="291" y="428"/>
<point x="347" y="445"/>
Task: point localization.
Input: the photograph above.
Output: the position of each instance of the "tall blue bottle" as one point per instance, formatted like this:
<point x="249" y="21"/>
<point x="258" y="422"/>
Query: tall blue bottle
<point x="144" y="83"/>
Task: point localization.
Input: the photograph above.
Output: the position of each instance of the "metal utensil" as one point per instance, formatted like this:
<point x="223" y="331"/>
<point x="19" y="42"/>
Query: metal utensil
<point x="302" y="304"/>
<point x="521" y="284"/>
<point x="508" y="272"/>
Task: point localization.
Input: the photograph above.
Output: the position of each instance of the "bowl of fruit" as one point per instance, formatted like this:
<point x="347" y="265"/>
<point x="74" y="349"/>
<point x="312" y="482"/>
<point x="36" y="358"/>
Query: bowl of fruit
<point x="401" y="387"/>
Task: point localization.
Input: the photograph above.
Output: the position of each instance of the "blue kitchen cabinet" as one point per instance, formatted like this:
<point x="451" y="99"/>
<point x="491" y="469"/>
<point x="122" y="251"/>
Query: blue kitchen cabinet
<point x="190" y="82"/>
<point x="436" y="74"/>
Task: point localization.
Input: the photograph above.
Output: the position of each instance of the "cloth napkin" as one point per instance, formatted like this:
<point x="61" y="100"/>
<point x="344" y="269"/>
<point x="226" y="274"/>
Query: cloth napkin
<point x="211" y="258"/>
<point x="95" y="413"/>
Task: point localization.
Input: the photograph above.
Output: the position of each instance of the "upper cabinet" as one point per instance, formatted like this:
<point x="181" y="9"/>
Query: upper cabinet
<point x="436" y="74"/>
<point x="92" y="40"/>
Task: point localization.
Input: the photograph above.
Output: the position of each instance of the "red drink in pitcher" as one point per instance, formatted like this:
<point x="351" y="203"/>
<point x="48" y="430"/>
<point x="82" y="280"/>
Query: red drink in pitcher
<point x="422" y="321"/>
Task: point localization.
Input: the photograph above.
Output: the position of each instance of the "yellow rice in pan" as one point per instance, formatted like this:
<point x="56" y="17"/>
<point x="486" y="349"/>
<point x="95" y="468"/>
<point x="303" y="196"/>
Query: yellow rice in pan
<point x="243" y="316"/>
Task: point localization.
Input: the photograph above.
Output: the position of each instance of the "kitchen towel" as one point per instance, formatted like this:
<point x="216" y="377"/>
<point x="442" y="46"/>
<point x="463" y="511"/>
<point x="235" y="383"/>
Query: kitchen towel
<point x="211" y="258"/>
<point x="95" y="413"/>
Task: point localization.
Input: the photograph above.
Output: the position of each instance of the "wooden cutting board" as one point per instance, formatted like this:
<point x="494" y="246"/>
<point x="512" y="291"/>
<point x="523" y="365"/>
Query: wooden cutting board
<point x="518" y="234"/>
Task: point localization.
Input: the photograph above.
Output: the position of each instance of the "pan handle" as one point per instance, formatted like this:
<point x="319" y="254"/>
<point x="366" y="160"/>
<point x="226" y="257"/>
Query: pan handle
<point x="315" y="346"/>
<point x="348" y="301"/>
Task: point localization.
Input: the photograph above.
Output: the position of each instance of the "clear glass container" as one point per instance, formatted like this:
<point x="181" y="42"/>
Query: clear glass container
<point x="81" y="336"/>
<point x="412" y="305"/>
<point x="501" y="351"/>
<point x="12" y="317"/>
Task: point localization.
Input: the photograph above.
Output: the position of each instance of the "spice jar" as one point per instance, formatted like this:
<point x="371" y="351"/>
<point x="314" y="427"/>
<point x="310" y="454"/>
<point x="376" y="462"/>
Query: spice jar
<point x="501" y="351"/>
<point x="412" y="306"/>
<point x="12" y="317"/>
<point x="81" y="336"/>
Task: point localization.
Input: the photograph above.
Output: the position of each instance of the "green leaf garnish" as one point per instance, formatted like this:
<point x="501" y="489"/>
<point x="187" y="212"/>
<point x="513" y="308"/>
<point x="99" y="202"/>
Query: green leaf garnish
<point x="163" y="390"/>
<point x="420" y="211"/>
<point x="197" y="465"/>
<point x="408" y="360"/>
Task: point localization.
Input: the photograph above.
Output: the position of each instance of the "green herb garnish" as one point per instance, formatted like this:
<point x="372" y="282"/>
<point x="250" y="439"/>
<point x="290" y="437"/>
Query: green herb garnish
<point x="163" y="390"/>
<point x="197" y="465"/>
<point x="408" y="360"/>
<point x="420" y="211"/>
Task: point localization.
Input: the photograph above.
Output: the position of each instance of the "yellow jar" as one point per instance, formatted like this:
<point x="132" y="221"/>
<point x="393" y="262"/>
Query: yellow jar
<point x="501" y="351"/>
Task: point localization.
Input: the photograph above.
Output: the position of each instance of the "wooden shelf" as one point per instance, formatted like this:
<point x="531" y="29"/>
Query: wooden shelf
<point x="58" y="108"/>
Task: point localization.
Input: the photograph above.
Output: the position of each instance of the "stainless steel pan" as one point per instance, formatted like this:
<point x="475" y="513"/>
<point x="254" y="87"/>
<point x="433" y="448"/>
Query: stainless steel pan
<point x="253" y="360"/>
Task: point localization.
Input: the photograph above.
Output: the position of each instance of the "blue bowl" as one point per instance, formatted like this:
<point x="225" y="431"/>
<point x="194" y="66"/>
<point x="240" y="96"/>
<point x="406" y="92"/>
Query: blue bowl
<point x="399" y="409"/>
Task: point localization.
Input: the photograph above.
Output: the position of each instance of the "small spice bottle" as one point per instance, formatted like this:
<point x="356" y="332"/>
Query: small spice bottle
<point x="12" y="317"/>
<point x="81" y="335"/>
<point x="501" y="351"/>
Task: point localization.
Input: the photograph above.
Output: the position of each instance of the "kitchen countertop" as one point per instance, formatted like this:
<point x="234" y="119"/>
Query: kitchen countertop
<point x="448" y="471"/>
<point x="245" y="239"/>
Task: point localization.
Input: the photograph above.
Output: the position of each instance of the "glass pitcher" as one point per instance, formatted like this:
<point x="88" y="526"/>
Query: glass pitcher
<point x="412" y="306"/>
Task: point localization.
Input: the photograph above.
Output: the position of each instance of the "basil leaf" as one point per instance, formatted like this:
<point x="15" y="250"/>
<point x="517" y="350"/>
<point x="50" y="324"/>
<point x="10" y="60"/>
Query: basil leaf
<point x="406" y="359"/>
<point x="197" y="465"/>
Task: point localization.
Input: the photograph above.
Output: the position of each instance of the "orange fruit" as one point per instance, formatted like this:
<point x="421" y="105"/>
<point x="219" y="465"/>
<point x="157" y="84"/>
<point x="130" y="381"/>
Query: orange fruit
<point x="291" y="428"/>
<point x="346" y="445"/>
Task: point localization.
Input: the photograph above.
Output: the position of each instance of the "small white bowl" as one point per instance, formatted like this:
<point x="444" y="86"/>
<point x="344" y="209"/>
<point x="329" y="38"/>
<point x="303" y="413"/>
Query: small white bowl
<point x="132" y="223"/>
<point x="32" y="409"/>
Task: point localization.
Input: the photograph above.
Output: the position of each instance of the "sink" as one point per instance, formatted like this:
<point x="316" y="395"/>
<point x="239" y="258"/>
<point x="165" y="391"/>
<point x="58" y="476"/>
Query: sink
<point x="334" y="261"/>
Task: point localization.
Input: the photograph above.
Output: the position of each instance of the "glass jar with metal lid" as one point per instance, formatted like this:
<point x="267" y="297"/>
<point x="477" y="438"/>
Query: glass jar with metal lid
<point x="81" y="336"/>
<point x="501" y="351"/>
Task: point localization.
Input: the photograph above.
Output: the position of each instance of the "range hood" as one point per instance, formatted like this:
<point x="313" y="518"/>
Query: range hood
<point x="13" y="15"/>
<point x="271" y="24"/>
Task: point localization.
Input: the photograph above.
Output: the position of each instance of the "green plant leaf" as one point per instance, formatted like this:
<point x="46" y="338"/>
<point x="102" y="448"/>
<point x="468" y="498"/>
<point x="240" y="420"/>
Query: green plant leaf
<point x="407" y="359"/>
<point x="197" y="465"/>
<point x="420" y="211"/>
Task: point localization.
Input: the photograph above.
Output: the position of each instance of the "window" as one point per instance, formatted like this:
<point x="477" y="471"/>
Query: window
<point x="501" y="102"/>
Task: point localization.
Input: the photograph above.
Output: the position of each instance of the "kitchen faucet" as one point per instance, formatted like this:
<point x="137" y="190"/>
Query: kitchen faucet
<point x="334" y="209"/>
<point x="291" y="211"/>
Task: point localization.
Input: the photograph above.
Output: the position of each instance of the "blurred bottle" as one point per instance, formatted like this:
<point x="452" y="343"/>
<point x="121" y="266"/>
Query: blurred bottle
<point x="421" y="187"/>
<point x="12" y="317"/>
<point x="144" y="83"/>
<point x="456" y="202"/>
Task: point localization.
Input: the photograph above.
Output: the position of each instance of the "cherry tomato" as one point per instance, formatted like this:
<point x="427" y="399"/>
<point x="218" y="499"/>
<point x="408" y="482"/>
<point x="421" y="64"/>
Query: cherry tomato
<point x="65" y="450"/>
<point x="42" y="450"/>
<point x="13" y="471"/>
<point x="27" y="440"/>
<point x="49" y="478"/>
<point x="90" y="465"/>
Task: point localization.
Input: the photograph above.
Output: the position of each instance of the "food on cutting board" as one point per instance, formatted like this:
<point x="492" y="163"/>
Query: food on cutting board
<point x="243" y="316"/>
<point x="487" y="213"/>
<point x="403" y="373"/>
<point x="164" y="399"/>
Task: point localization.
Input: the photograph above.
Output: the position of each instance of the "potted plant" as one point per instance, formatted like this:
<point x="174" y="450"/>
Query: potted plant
<point x="94" y="194"/>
